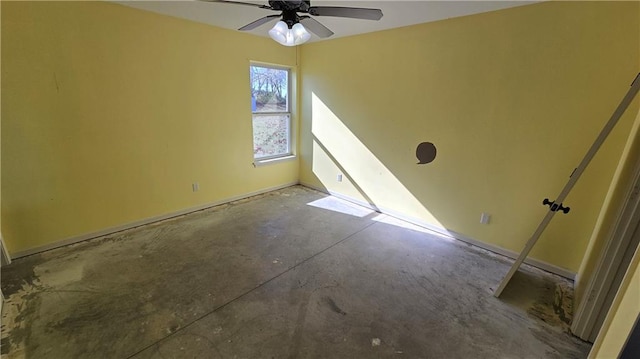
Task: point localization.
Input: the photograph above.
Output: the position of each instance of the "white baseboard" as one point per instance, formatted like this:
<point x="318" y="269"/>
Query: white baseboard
<point x="452" y="234"/>
<point x="438" y="230"/>
<point x="112" y="230"/>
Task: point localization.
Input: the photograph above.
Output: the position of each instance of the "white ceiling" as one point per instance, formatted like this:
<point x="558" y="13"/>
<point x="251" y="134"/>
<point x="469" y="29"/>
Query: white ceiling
<point x="396" y="13"/>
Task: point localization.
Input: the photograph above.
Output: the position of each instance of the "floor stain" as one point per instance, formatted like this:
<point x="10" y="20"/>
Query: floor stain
<point x="332" y="305"/>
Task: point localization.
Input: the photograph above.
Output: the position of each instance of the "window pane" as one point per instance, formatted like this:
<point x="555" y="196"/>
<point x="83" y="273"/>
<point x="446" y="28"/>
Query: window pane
<point x="270" y="135"/>
<point x="269" y="89"/>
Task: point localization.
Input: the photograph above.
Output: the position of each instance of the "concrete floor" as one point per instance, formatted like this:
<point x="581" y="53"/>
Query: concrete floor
<point x="279" y="276"/>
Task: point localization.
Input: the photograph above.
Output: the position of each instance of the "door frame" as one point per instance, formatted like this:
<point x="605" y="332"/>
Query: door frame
<point x="6" y="258"/>
<point x="611" y="266"/>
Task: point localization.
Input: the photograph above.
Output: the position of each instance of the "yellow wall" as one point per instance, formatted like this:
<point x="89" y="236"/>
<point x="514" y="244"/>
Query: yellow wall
<point x="110" y="113"/>
<point x="622" y="315"/>
<point x="512" y="99"/>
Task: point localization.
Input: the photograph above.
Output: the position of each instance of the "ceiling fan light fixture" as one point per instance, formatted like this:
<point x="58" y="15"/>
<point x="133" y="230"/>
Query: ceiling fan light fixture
<point x="286" y="36"/>
<point x="279" y="32"/>
<point x="300" y="34"/>
<point x="289" y="31"/>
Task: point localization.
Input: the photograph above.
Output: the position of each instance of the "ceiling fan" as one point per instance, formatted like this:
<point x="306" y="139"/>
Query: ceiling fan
<point x="292" y="28"/>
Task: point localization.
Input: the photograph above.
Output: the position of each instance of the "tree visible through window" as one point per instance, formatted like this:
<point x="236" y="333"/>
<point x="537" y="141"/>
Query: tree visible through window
<point x="271" y="111"/>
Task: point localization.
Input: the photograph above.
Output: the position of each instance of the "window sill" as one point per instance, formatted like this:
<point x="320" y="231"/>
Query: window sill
<point x="269" y="161"/>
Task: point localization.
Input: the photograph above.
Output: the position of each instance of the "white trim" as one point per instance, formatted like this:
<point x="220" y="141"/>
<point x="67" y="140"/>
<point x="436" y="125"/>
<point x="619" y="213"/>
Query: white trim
<point x="618" y="243"/>
<point x="274" y="160"/>
<point x="605" y="332"/>
<point x="438" y="230"/>
<point x="291" y="108"/>
<point x="551" y="268"/>
<point x="112" y="230"/>
<point x="6" y="258"/>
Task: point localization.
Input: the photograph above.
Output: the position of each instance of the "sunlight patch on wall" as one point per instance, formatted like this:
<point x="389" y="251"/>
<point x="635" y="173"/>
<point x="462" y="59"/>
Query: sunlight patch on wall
<point x="336" y="150"/>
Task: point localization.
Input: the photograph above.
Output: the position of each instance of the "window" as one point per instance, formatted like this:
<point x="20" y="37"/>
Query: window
<point x="270" y="91"/>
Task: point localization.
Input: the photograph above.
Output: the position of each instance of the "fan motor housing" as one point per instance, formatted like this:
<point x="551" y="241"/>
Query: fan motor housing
<point x="296" y="5"/>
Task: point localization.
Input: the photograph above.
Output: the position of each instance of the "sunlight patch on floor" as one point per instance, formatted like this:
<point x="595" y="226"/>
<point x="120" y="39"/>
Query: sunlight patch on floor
<point x="386" y="219"/>
<point x="341" y="206"/>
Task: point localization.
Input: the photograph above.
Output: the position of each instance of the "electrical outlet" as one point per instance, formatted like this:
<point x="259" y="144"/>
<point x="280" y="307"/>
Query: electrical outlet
<point x="195" y="186"/>
<point x="485" y="218"/>
<point x="339" y="177"/>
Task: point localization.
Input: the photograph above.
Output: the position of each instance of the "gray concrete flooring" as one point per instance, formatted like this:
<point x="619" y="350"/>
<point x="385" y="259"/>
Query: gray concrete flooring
<point x="279" y="276"/>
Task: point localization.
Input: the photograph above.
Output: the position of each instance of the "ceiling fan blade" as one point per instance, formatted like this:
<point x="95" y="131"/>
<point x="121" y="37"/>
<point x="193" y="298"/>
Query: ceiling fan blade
<point x="240" y="3"/>
<point x="259" y="22"/>
<point x="314" y="26"/>
<point x="352" y="12"/>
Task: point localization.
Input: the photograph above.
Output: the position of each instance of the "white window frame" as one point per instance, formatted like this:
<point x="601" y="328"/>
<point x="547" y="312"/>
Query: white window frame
<point x="290" y="112"/>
